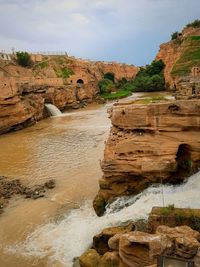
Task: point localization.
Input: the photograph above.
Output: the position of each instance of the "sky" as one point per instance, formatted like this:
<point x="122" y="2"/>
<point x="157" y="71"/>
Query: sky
<point x="127" y="31"/>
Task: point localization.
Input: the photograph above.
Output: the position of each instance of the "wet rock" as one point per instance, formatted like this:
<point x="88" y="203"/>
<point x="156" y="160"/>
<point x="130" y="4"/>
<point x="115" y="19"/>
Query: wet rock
<point x="110" y="259"/>
<point x="50" y="184"/>
<point x="8" y="188"/>
<point x="185" y="239"/>
<point x="100" y="241"/>
<point x="90" y="258"/>
<point x="99" y="204"/>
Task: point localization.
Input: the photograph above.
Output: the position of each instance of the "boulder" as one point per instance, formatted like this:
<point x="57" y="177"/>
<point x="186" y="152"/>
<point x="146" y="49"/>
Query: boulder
<point x="138" y="249"/>
<point x="100" y="241"/>
<point x="90" y="258"/>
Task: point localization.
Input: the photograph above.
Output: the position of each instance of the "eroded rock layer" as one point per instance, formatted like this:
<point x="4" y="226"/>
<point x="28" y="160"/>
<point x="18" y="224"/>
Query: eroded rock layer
<point x="63" y="81"/>
<point x="159" y="142"/>
<point x="141" y="249"/>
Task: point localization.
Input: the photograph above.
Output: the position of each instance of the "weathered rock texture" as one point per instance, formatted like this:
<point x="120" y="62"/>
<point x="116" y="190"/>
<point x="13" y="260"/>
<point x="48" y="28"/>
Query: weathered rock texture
<point x="136" y="249"/>
<point x="180" y="56"/>
<point x="148" y="144"/>
<point x="60" y="80"/>
<point x="172" y="217"/>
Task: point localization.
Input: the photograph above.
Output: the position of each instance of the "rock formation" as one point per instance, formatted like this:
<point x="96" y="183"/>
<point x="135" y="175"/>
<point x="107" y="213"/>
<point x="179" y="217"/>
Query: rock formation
<point x="153" y="143"/>
<point x="172" y="217"/>
<point x="180" y="55"/>
<point x="60" y="80"/>
<point x="136" y="249"/>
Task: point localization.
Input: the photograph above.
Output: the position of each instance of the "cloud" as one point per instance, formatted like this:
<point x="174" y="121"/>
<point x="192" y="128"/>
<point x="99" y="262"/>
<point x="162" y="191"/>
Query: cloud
<point x="122" y="30"/>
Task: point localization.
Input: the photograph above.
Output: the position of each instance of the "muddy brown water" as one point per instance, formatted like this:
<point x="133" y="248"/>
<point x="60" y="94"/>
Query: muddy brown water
<point x="66" y="148"/>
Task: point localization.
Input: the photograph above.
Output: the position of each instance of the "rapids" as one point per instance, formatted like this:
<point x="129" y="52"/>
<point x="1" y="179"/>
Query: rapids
<point x="62" y="240"/>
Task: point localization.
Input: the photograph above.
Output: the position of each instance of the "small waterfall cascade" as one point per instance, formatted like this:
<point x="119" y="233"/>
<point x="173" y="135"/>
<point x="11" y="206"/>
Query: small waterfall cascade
<point x="53" y="110"/>
<point x="65" y="239"/>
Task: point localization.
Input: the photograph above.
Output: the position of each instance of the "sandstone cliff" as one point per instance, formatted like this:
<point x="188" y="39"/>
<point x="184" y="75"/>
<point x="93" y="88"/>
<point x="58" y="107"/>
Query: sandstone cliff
<point x="158" y="142"/>
<point x="61" y="80"/>
<point x="180" y="55"/>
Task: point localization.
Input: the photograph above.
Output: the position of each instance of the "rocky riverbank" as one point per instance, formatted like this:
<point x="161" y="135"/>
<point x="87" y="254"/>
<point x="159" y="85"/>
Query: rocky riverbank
<point x="10" y="188"/>
<point x="153" y="143"/>
<point x="136" y="245"/>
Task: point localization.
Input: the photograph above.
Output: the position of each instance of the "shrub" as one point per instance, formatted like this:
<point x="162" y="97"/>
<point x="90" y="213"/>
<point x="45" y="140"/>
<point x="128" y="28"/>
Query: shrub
<point x="106" y="86"/>
<point x="149" y="78"/>
<point x="174" y="35"/>
<point x="23" y="59"/>
<point x="109" y="76"/>
<point x="195" y="23"/>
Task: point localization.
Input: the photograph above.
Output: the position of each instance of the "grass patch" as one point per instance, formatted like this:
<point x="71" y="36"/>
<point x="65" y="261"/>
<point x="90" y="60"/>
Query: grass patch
<point x="153" y="99"/>
<point x="119" y="94"/>
<point x="43" y="64"/>
<point x="189" y="58"/>
<point x="64" y="73"/>
<point x="166" y="211"/>
<point x="195" y="38"/>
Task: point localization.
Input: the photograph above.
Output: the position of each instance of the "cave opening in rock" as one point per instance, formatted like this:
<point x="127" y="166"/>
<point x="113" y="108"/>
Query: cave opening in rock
<point x="183" y="158"/>
<point x="80" y="81"/>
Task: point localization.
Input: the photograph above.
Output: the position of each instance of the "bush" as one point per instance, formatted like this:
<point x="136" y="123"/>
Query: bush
<point x="106" y="86"/>
<point x="109" y="76"/>
<point x="149" y="78"/>
<point x="174" y="35"/>
<point x="195" y="23"/>
<point x="23" y="59"/>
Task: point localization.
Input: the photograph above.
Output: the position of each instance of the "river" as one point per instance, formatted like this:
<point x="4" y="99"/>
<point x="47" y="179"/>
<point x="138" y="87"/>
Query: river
<point x="67" y="149"/>
<point x="54" y="230"/>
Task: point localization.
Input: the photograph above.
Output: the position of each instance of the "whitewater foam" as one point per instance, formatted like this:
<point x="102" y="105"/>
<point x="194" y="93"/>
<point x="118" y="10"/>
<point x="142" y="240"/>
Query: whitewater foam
<point x="62" y="241"/>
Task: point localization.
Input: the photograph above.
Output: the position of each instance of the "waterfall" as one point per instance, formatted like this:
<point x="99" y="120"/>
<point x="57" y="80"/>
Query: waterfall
<point x="61" y="241"/>
<point x="53" y="110"/>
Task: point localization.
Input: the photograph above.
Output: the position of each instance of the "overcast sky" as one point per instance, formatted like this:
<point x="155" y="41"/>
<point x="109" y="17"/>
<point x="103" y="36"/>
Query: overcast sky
<point x="113" y="30"/>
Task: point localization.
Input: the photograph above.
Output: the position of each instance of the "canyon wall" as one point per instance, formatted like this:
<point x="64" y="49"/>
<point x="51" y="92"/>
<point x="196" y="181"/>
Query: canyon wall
<point x="61" y="80"/>
<point x="158" y="142"/>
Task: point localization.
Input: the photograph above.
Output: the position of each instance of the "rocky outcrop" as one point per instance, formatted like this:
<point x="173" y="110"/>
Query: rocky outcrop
<point x="172" y="217"/>
<point x="180" y="55"/>
<point x="136" y="249"/>
<point x="63" y="81"/>
<point x="9" y="188"/>
<point x="149" y="144"/>
<point x="100" y="241"/>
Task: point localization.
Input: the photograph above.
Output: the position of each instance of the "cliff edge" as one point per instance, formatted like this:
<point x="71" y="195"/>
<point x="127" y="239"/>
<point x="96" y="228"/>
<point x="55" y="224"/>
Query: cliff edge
<point x="153" y="143"/>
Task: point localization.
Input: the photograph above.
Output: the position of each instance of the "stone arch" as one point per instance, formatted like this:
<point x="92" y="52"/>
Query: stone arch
<point x="184" y="159"/>
<point x="80" y="81"/>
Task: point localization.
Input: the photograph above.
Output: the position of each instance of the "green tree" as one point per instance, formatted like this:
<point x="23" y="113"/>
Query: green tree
<point x="149" y="78"/>
<point x="106" y="86"/>
<point x="23" y="59"/>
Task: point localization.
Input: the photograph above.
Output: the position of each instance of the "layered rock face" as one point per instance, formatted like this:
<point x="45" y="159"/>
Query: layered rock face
<point x="136" y="249"/>
<point x="158" y="142"/>
<point x="60" y="80"/>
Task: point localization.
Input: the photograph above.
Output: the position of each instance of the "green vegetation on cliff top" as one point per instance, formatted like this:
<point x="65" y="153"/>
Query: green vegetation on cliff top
<point x="189" y="58"/>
